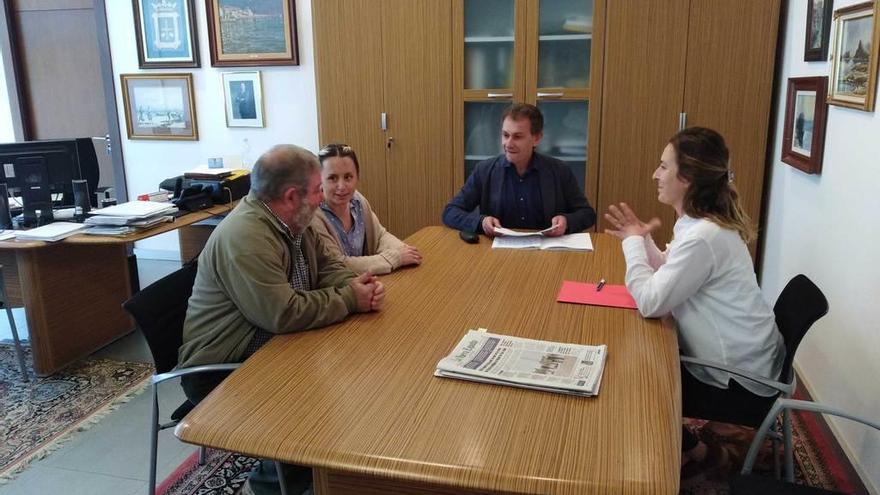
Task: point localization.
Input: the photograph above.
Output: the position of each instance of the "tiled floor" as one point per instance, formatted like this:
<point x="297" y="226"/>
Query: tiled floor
<point x="113" y="456"/>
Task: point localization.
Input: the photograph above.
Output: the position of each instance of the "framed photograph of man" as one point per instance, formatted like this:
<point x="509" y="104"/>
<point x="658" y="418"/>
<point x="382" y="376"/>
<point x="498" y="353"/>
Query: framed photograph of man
<point x="159" y="106"/>
<point x="803" y="138"/>
<point x="248" y="33"/>
<point x="243" y="95"/>
<point x="853" y="81"/>
<point x="166" y="33"/>
<point x="818" y="29"/>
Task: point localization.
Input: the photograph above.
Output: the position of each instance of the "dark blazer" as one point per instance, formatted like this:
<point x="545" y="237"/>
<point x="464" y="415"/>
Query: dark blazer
<point x="560" y="195"/>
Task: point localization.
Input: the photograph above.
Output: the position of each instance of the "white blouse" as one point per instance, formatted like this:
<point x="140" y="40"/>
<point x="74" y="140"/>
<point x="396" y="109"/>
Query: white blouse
<point x="706" y="280"/>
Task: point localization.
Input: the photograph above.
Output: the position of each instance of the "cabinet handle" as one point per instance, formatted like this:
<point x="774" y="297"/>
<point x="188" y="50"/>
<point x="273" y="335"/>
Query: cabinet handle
<point x="500" y="95"/>
<point x="682" y="120"/>
<point x="551" y="95"/>
<point x="383" y="121"/>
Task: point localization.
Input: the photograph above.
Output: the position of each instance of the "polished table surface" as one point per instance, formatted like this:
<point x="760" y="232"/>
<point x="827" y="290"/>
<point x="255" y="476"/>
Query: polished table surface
<point x="73" y="290"/>
<point x="358" y="401"/>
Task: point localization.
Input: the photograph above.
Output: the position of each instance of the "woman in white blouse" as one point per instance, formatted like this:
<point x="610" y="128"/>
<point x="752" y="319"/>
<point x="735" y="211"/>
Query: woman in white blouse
<point x="704" y="279"/>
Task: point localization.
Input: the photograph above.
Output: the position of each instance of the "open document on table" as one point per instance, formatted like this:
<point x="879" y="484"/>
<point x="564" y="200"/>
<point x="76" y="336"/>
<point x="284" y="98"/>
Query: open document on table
<point x="570" y="242"/>
<point x="535" y="364"/>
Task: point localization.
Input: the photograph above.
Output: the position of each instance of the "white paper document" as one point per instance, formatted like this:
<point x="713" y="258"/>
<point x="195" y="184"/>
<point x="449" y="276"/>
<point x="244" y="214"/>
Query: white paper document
<point x="5" y="235"/>
<point x="516" y="233"/>
<point x="51" y="232"/>
<point x="486" y="357"/>
<point x="570" y="242"/>
<point x="136" y="209"/>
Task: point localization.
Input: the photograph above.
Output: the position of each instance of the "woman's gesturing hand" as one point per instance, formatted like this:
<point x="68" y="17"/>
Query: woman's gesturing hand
<point x="625" y="222"/>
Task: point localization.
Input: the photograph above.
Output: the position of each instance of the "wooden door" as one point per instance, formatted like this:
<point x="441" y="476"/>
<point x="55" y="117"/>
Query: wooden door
<point x="350" y="87"/>
<point x="643" y="80"/>
<point x="417" y="48"/>
<point x="63" y="72"/>
<point x="729" y="83"/>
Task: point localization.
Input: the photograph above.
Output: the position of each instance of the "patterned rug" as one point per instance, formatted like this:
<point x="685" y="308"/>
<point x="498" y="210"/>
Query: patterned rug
<point x="223" y="473"/>
<point x="818" y="459"/>
<point x="36" y="417"/>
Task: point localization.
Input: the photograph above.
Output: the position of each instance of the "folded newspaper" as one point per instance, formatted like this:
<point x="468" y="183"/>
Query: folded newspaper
<point x="535" y="364"/>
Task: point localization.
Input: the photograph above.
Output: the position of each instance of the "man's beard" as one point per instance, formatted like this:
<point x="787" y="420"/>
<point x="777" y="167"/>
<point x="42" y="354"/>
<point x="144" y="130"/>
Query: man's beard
<point x="301" y="218"/>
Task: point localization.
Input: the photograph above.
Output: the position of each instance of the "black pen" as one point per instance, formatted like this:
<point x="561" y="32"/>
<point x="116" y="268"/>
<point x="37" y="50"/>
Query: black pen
<point x="600" y="285"/>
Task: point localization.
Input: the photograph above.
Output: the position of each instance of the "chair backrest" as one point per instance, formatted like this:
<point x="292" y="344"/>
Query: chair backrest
<point x="159" y="311"/>
<point x="800" y="304"/>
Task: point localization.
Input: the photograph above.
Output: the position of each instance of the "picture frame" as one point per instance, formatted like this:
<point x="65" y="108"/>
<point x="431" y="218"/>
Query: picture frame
<point x="243" y="98"/>
<point x="262" y="35"/>
<point x="818" y="31"/>
<point x="803" y="137"/>
<point x="159" y="106"/>
<point x="853" y="81"/>
<point x="166" y="34"/>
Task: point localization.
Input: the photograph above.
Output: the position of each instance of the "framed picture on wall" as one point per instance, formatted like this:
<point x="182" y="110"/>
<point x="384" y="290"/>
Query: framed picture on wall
<point x="803" y="138"/>
<point x="243" y="95"/>
<point x="166" y="33"/>
<point x="247" y="33"/>
<point x="853" y="81"/>
<point x="818" y="29"/>
<point x="159" y="106"/>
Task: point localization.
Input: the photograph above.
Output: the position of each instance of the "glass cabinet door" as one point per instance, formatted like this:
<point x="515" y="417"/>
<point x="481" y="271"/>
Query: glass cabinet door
<point x="482" y="132"/>
<point x="488" y="44"/>
<point x="565" y="134"/>
<point x="564" y="42"/>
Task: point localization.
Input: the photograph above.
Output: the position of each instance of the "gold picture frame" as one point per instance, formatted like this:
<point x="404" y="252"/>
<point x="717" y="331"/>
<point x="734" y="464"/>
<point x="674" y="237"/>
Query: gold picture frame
<point x="853" y="81"/>
<point x="262" y="35"/>
<point x="159" y="106"/>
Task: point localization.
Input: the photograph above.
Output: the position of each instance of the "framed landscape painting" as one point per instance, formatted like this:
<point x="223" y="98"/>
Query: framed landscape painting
<point x="854" y="61"/>
<point x="803" y="137"/>
<point x="159" y="106"/>
<point x="243" y="95"/>
<point x="252" y="32"/>
<point x="818" y="29"/>
<point x="166" y="33"/>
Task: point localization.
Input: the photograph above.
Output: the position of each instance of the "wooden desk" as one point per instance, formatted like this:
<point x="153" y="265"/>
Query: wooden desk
<point x="358" y="402"/>
<point x="73" y="290"/>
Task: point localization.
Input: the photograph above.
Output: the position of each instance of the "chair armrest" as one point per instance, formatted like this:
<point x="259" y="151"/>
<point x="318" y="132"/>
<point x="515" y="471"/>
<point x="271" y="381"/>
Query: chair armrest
<point x="193" y="370"/>
<point x="785" y="388"/>
<point x="796" y="405"/>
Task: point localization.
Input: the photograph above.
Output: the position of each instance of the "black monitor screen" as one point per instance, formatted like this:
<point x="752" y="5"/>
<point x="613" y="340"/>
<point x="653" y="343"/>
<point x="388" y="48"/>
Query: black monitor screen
<point x="61" y="162"/>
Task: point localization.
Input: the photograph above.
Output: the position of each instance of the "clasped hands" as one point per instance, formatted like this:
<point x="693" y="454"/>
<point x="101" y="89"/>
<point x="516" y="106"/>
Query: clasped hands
<point x="625" y="223"/>
<point x="558" y="225"/>
<point x="369" y="292"/>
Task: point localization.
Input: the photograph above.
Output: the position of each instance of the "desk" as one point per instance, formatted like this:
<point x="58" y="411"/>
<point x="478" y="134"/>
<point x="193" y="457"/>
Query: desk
<point x="357" y="401"/>
<point x="73" y="290"/>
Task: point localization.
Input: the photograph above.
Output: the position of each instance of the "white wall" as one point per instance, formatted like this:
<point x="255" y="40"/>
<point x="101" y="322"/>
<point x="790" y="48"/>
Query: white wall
<point x="289" y="101"/>
<point x="7" y="134"/>
<point x="826" y="227"/>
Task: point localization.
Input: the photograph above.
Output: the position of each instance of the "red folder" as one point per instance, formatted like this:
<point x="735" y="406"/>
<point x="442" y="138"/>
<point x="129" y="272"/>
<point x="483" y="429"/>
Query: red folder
<point x="615" y="296"/>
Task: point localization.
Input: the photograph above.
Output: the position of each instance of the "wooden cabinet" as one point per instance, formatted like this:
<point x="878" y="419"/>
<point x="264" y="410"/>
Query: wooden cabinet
<point x="387" y="62"/>
<point x="544" y="52"/>
<point x="707" y="63"/>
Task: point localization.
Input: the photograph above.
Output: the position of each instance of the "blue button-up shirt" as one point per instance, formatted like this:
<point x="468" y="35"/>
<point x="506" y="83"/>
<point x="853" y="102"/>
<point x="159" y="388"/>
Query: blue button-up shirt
<point x="353" y="239"/>
<point x="521" y="198"/>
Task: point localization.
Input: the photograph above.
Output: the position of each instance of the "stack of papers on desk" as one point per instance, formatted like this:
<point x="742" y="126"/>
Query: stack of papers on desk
<point x="137" y="214"/>
<point x="50" y="233"/>
<point x="571" y="242"/>
<point x="534" y="364"/>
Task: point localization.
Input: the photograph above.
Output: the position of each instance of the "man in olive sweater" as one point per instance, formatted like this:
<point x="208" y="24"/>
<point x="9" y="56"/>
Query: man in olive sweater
<point x="265" y="272"/>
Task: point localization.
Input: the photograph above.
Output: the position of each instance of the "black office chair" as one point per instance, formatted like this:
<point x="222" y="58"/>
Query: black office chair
<point x="799" y="305"/>
<point x="748" y="483"/>
<point x="159" y="311"/>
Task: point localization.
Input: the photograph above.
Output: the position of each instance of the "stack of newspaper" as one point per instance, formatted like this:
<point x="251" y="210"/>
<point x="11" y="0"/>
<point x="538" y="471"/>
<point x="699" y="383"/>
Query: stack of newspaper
<point x="128" y="217"/>
<point x="536" y="364"/>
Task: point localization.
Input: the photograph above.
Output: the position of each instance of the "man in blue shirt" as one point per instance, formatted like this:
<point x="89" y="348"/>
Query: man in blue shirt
<point x="520" y="188"/>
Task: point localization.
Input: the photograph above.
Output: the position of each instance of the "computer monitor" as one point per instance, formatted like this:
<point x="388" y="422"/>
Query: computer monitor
<point x="41" y="173"/>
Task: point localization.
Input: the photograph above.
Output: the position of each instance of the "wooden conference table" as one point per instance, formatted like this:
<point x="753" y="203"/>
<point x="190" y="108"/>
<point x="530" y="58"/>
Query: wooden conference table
<point x="358" y="401"/>
<point x="73" y="290"/>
